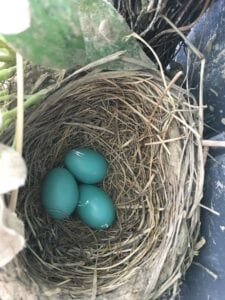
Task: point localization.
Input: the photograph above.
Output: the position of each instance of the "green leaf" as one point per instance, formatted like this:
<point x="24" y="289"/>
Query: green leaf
<point x="73" y="33"/>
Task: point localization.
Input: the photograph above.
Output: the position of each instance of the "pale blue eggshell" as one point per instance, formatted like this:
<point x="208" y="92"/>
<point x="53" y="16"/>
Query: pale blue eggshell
<point x="87" y="165"/>
<point x="95" y="207"/>
<point x="59" y="193"/>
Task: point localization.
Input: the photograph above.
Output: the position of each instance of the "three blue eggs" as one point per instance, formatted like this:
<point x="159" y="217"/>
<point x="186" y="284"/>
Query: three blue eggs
<point x="62" y="195"/>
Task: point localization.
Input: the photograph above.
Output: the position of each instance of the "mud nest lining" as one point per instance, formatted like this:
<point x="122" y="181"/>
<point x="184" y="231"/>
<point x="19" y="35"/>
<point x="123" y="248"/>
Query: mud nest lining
<point x="150" y="139"/>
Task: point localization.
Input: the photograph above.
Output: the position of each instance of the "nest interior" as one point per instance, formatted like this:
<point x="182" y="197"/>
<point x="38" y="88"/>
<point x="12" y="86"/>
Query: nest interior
<point x="150" y="138"/>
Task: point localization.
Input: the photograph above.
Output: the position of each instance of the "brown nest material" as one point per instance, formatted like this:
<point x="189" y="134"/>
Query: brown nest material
<point x="145" y="18"/>
<point x="150" y="139"/>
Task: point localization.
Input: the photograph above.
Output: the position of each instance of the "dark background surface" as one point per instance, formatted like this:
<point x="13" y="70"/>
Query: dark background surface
<point x="208" y="35"/>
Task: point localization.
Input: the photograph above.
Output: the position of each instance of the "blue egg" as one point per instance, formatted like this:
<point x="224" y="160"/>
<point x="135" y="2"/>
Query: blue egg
<point x="88" y="166"/>
<point x="59" y="193"/>
<point x="95" y="207"/>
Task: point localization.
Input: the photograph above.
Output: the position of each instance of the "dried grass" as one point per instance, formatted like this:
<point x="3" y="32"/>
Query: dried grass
<point x="150" y="136"/>
<point x="145" y="18"/>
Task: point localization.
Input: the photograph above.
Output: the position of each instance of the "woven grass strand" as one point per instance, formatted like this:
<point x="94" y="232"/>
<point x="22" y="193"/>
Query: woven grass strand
<point x="154" y="185"/>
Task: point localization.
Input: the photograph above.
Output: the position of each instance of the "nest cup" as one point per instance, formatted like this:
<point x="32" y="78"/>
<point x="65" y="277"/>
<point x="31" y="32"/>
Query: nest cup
<point x="149" y="136"/>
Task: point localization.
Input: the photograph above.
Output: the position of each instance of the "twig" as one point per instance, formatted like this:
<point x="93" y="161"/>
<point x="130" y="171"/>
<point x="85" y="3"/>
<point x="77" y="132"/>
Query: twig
<point x="212" y="143"/>
<point x="172" y="82"/>
<point x="19" y="121"/>
<point x="202" y="58"/>
<point x="138" y="37"/>
<point x="94" y="288"/>
<point x="201" y="103"/>
<point x="156" y="15"/>
<point x="210" y="210"/>
<point x="200" y="244"/>
<point x="165" y="141"/>
<point x="205" y="154"/>
<point x="184" y="28"/>
<point x="211" y="273"/>
<point x="99" y="62"/>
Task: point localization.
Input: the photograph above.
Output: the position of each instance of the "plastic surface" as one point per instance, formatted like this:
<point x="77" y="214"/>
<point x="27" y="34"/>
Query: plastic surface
<point x="199" y="283"/>
<point x="205" y="280"/>
<point x="208" y="36"/>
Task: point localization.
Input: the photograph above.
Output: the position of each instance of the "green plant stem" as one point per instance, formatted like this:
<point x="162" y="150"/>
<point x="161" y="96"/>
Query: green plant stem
<point x="6" y="46"/>
<point x="3" y="93"/>
<point x="4" y="98"/>
<point x="7" y="58"/>
<point x="7" y="73"/>
<point x="10" y="115"/>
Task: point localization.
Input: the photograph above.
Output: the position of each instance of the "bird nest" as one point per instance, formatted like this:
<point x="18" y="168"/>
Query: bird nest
<point x="148" y="132"/>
